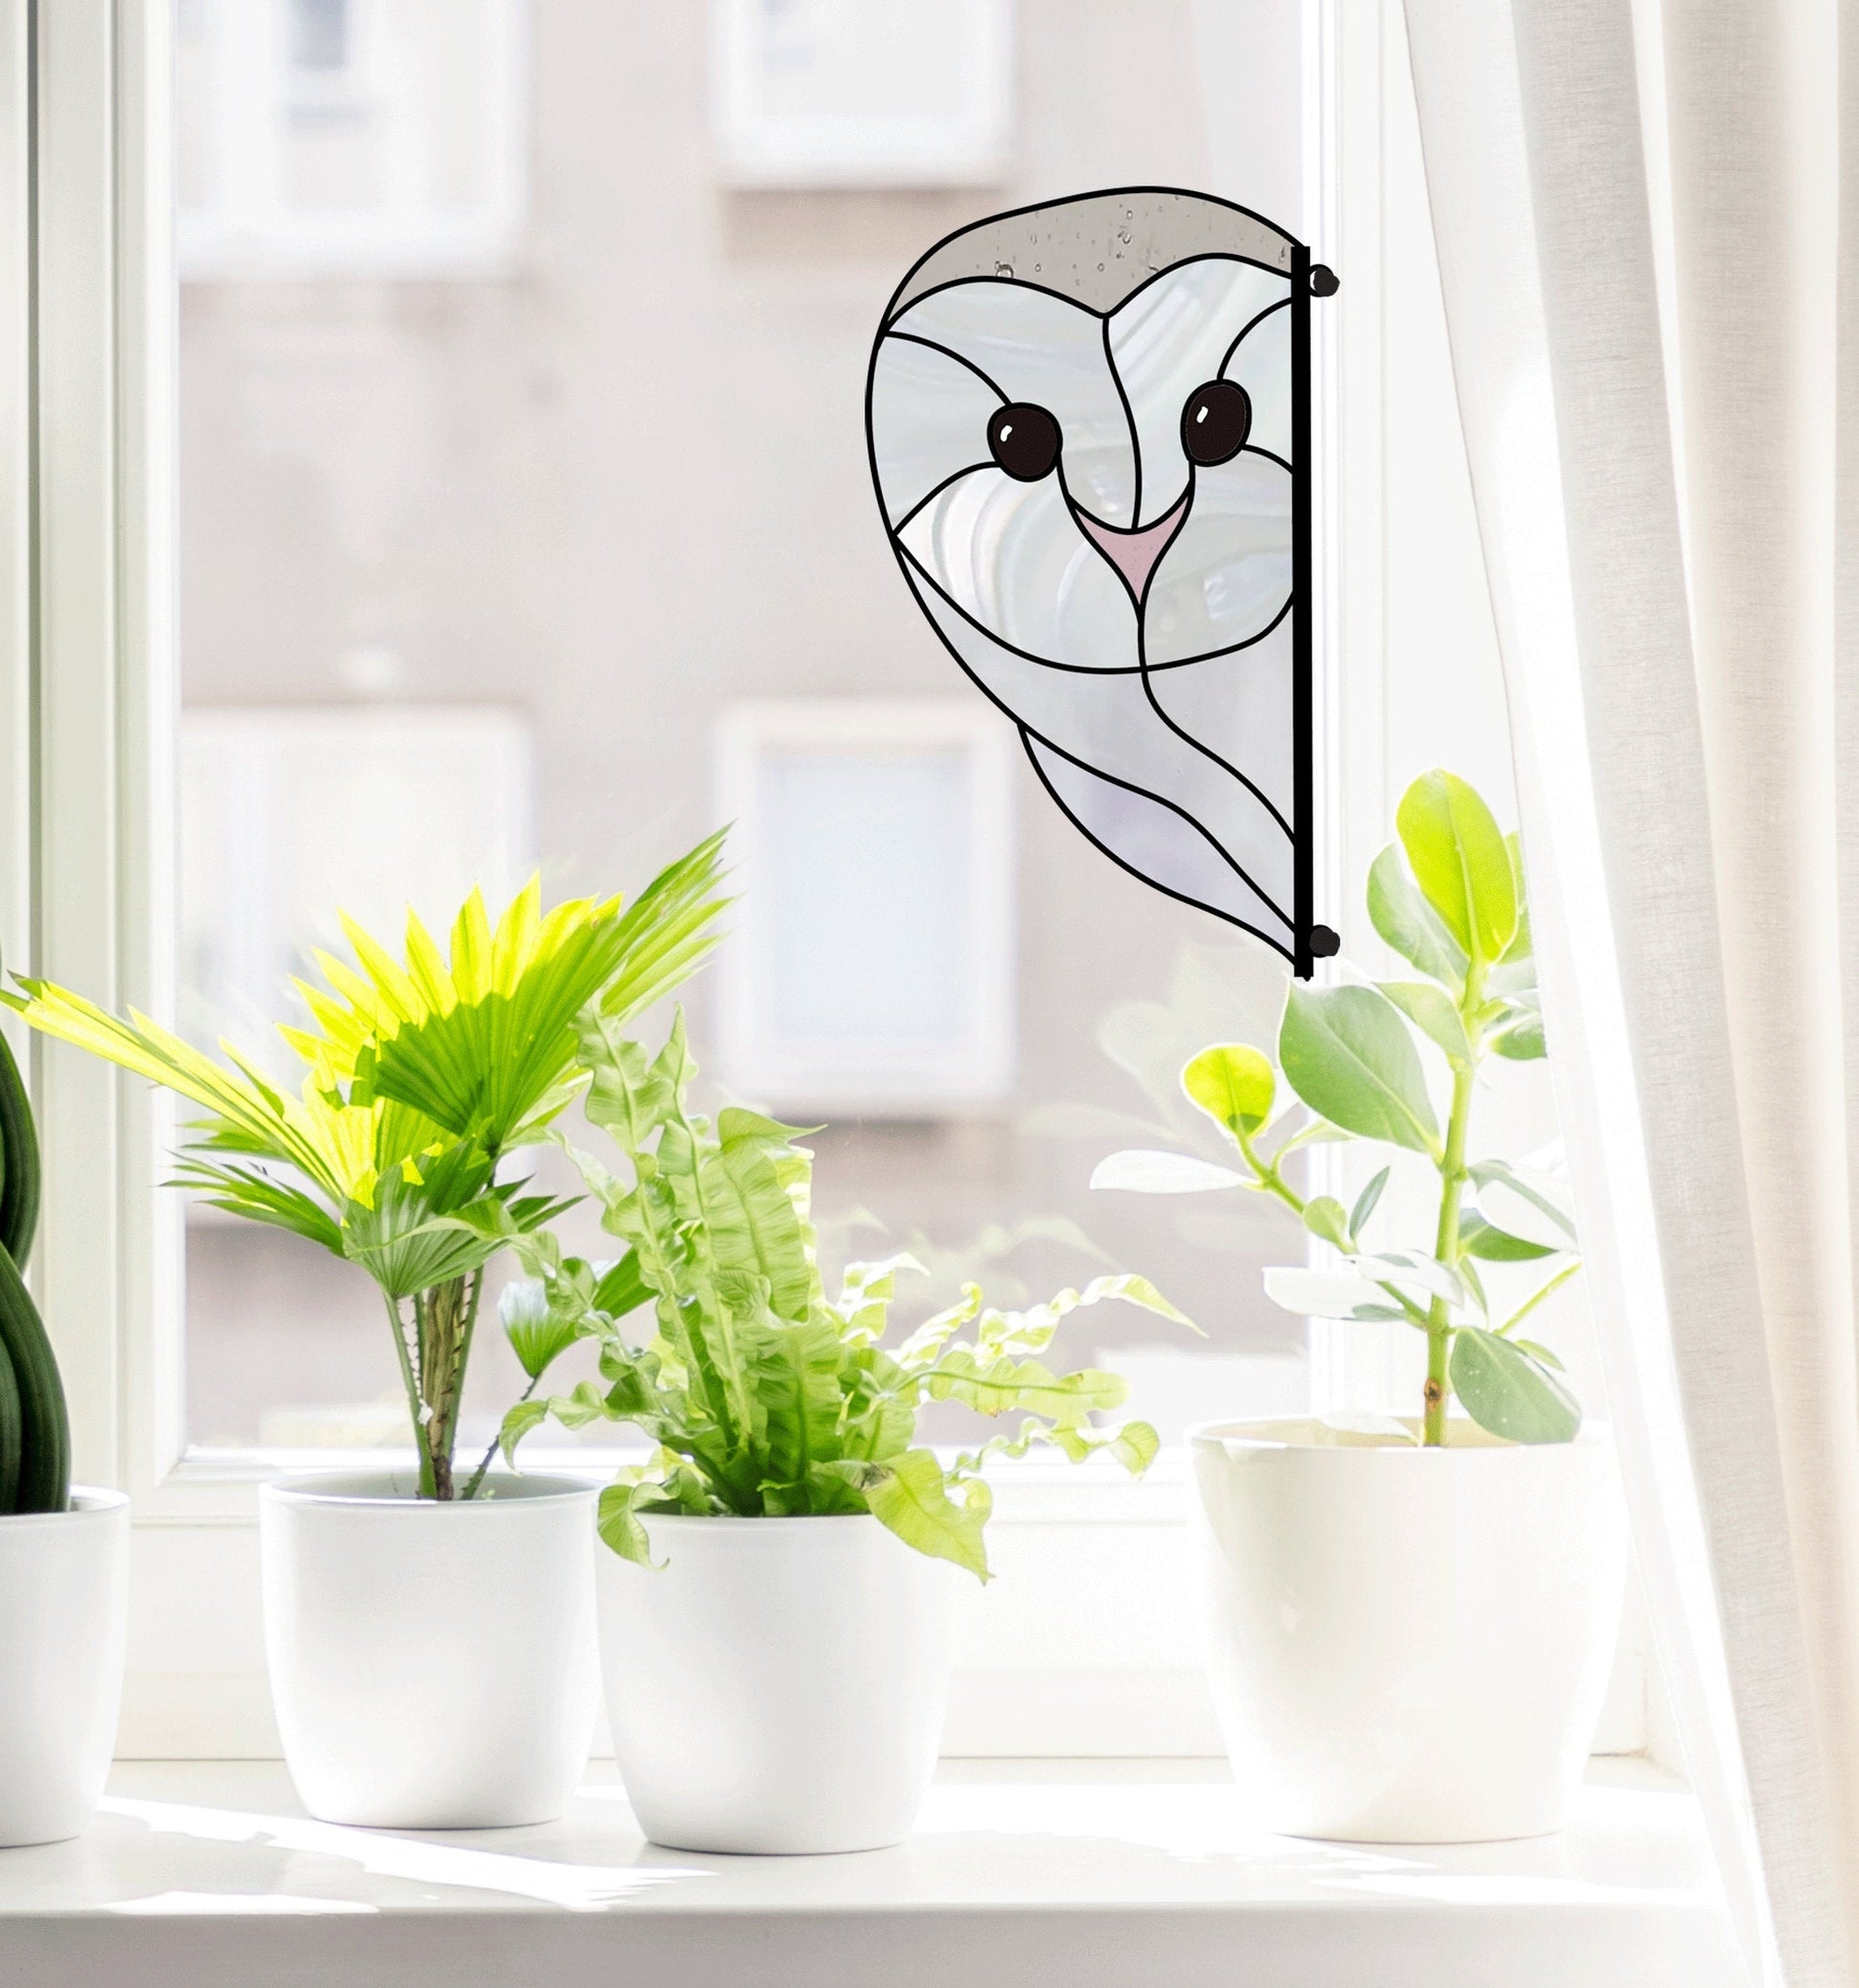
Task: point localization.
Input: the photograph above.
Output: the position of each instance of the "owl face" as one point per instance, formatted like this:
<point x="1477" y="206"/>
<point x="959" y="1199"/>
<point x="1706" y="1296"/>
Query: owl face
<point x="1080" y="428"/>
<point x="1082" y="435"/>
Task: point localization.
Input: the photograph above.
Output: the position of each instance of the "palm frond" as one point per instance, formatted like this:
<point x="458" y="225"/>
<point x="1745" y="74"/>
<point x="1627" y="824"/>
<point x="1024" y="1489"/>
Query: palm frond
<point x="269" y="1124"/>
<point x="666" y="928"/>
<point x="484" y="1046"/>
<point x="254" y="1194"/>
<point x="426" y="1225"/>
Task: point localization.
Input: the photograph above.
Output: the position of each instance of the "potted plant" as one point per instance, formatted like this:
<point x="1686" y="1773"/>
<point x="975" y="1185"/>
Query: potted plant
<point x="64" y="1549"/>
<point x="775" y="1607"/>
<point x="429" y="1631"/>
<point x="1410" y="1620"/>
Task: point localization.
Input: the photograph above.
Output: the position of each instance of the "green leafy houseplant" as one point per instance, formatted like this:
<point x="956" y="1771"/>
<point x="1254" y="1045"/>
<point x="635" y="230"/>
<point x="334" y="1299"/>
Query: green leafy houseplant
<point x="763" y="1396"/>
<point x="1448" y="897"/>
<point x="420" y="1075"/>
<point x="35" y="1429"/>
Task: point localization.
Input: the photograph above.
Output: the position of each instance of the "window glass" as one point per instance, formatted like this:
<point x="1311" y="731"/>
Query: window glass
<point x="527" y="524"/>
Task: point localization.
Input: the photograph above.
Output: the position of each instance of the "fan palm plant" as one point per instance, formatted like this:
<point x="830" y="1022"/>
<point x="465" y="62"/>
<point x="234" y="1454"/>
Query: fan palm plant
<point x="420" y="1075"/>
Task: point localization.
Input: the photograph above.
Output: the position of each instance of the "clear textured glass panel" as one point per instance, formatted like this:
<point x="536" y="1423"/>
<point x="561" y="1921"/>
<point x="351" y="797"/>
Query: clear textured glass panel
<point x="1097" y="579"/>
<point x="484" y="556"/>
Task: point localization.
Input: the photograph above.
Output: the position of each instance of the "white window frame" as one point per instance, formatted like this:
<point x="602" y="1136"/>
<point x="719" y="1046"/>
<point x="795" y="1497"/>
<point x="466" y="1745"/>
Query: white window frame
<point x="974" y="1074"/>
<point x="89" y="706"/>
<point x="252" y="232"/>
<point x="855" y="146"/>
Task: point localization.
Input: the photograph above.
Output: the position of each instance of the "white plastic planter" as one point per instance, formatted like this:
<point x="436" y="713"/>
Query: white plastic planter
<point x="64" y="1599"/>
<point x="1407" y="1645"/>
<point x="777" y="1684"/>
<point x="432" y="1665"/>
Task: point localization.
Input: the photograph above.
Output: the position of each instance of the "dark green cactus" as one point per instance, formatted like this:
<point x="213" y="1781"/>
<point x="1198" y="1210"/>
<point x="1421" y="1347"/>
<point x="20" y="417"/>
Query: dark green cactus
<point x="35" y="1429"/>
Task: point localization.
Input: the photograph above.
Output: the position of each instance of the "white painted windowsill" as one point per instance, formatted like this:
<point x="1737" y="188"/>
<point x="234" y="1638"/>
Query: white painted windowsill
<point x="206" y="1874"/>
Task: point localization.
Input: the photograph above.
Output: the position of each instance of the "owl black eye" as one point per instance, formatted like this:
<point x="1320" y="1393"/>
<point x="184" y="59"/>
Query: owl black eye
<point x="1024" y="440"/>
<point x="1216" y="422"/>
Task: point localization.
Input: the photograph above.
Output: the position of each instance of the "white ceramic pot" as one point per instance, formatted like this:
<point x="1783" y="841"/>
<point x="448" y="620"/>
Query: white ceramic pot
<point x="64" y="1601"/>
<point x="1407" y="1645"/>
<point x="777" y="1684"/>
<point x="433" y="1666"/>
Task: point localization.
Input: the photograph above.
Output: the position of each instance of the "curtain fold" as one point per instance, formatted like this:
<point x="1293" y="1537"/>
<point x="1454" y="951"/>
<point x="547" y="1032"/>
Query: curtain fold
<point x="1657" y="492"/>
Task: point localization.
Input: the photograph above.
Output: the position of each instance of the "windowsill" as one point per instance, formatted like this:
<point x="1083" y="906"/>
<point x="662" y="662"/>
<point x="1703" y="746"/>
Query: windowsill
<point x="208" y="1874"/>
<point x="220" y="1486"/>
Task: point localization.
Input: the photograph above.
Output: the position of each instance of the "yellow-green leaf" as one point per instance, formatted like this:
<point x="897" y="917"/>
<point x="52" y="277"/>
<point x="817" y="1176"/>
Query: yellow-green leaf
<point x="1233" y="1084"/>
<point x="1461" y="862"/>
<point x="911" y="1497"/>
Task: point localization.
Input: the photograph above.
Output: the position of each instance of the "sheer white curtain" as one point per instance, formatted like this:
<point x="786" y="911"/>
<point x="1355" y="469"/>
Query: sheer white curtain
<point x="1651" y="287"/>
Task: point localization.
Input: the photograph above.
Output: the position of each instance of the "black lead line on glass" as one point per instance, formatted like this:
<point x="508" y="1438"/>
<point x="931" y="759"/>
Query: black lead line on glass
<point x="1089" y="425"/>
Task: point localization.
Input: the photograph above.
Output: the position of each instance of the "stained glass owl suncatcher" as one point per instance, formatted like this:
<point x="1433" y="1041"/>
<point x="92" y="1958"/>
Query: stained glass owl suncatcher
<point x="1089" y="425"/>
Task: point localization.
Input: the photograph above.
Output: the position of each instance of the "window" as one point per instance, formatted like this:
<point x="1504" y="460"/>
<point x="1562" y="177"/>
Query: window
<point x="471" y="574"/>
<point x="638" y="520"/>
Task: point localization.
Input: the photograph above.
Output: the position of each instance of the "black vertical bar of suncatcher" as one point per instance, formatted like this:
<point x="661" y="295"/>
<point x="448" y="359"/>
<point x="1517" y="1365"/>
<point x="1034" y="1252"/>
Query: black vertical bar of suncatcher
<point x="1303" y="742"/>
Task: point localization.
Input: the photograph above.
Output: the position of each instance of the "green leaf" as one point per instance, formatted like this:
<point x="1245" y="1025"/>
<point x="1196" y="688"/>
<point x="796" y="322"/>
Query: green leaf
<point x="1233" y="1084"/>
<point x="666" y="932"/>
<point x="539" y="1334"/>
<point x="1524" y="1203"/>
<point x="1327" y="1293"/>
<point x="1412" y="1272"/>
<point x="616" y="1518"/>
<point x="793" y="1369"/>
<point x="1433" y="1013"/>
<point x="1005" y="1385"/>
<point x="1489" y="1245"/>
<point x="1324" y="1216"/>
<point x="911" y="1496"/>
<point x="1367" y="1201"/>
<point x="406" y="1238"/>
<point x="251" y="1115"/>
<point x="1135" y="1446"/>
<point x="1347" y="1053"/>
<point x="1516" y="969"/>
<point x="586" y="1403"/>
<point x="928" y="1341"/>
<point x="751" y="1223"/>
<point x="1316" y="1132"/>
<point x="250" y="1192"/>
<point x="517" y="1425"/>
<point x="1409" y="924"/>
<point x="484" y="1046"/>
<point x="1507" y="1392"/>
<point x="866" y="1293"/>
<point x="1521" y="1037"/>
<point x="1032" y="1331"/>
<point x="622" y="1288"/>
<point x="1460" y="860"/>
<point x="1538" y="1352"/>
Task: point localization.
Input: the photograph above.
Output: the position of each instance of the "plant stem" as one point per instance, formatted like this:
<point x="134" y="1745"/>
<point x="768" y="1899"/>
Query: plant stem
<point x="410" y="1381"/>
<point x="1445" y="1241"/>
<point x="477" y="1476"/>
<point x="449" y="1313"/>
<point x="1536" y="1296"/>
<point x="1266" y="1173"/>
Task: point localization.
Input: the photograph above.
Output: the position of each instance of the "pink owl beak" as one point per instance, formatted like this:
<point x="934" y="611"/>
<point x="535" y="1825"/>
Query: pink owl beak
<point x="1135" y="553"/>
